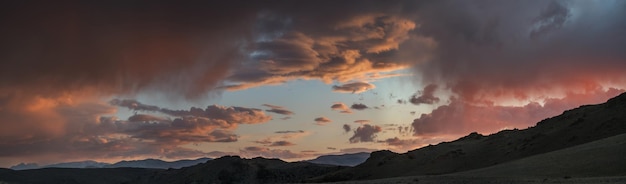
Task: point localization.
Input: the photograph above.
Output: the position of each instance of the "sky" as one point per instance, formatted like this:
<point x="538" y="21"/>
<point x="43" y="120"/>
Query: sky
<point x="126" y="80"/>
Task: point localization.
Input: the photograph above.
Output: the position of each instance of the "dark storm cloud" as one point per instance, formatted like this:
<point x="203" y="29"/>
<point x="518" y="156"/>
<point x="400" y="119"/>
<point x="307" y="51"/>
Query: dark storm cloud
<point x="182" y="48"/>
<point x="359" y="106"/>
<point x="492" y="51"/>
<point x="427" y="96"/>
<point x="521" y="49"/>
<point x="365" y="133"/>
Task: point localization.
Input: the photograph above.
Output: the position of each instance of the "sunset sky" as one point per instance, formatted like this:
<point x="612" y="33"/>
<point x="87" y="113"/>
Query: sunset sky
<point x="124" y="80"/>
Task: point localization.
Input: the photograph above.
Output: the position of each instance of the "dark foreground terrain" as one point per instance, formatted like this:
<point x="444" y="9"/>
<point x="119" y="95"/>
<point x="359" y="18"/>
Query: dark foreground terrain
<point x="583" y="145"/>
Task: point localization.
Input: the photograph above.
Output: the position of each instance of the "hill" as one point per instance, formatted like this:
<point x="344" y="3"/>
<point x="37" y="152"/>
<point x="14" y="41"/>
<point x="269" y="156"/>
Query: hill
<point x="605" y="157"/>
<point x="233" y="169"/>
<point x="157" y="164"/>
<point x="72" y="175"/>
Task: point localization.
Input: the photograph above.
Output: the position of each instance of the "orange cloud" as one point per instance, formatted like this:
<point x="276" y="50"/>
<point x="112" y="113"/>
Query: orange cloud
<point x="462" y="117"/>
<point x="341" y="107"/>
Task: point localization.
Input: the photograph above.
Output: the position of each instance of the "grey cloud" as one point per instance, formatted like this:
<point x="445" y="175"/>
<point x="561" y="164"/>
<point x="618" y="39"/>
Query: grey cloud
<point x="359" y="106"/>
<point x="346" y="128"/>
<point x="134" y="105"/>
<point x="427" y="96"/>
<point x="322" y="120"/>
<point x="365" y="133"/>
<point x="356" y="87"/>
<point x="289" y="131"/>
<point x="278" y="109"/>
<point x="282" y="143"/>
<point x="552" y="18"/>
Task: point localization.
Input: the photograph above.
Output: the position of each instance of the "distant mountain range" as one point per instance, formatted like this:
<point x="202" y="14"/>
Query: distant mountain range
<point x="147" y="163"/>
<point x="583" y="145"/>
<point x="342" y="160"/>
<point x="338" y="160"/>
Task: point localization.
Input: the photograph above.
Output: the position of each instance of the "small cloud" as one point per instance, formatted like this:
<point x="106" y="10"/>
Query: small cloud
<point x="322" y="121"/>
<point x="355" y="87"/>
<point x="289" y="131"/>
<point x="264" y="141"/>
<point x="359" y="106"/>
<point x="278" y="109"/>
<point x="365" y="133"/>
<point x="282" y="143"/>
<point x="343" y="108"/>
<point x="331" y="148"/>
<point x="362" y="121"/>
<point x="255" y="148"/>
<point x="346" y="128"/>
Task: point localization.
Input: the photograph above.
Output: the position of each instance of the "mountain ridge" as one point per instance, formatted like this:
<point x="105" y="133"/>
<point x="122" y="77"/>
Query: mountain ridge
<point x="149" y="163"/>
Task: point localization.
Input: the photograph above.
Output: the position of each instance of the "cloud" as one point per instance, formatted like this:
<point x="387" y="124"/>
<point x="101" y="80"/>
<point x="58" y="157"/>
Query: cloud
<point x="263" y="141"/>
<point x="335" y="50"/>
<point x="359" y="106"/>
<point x="365" y="133"/>
<point x="343" y="108"/>
<point x="322" y="120"/>
<point x="282" y="143"/>
<point x="134" y="105"/>
<point x="289" y="131"/>
<point x="528" y="51"/>
<point x="362" y="121"/>
<point x="460" y="117"/>
<point x="278" y="109"/>
<point x="290" y="134"/>
<point x="427" y="96"/>
<point x="269" y="142"/>
<point x="355" y="87"/>
<point x="86" y="129"/>
<point x="331" y="148"/>
<point x="118" y="50"/>
<point x="346" y="128"/>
